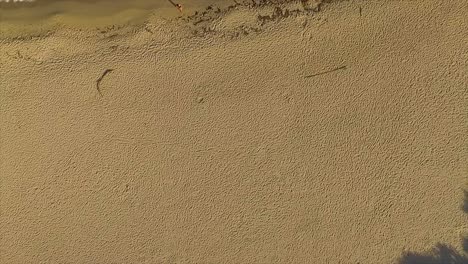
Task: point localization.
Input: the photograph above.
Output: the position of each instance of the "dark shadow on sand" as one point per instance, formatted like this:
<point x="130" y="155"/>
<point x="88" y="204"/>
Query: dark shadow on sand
<point x="440" y="253"/>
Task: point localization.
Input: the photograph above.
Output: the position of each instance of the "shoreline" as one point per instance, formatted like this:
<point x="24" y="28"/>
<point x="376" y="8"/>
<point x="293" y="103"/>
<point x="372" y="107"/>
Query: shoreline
<point x="24" y="22"/>
<point x="193" y="23"/>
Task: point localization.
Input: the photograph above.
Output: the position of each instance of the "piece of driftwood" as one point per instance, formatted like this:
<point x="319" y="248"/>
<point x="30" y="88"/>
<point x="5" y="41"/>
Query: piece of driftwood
<point x="99" y="80"/>
<point x="325" y="72"/>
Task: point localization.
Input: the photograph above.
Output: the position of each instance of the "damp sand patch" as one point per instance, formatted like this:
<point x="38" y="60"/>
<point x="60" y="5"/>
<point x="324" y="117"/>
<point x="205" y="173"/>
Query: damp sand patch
<point x="202" y="17"/>
<point x="39" y="17"/>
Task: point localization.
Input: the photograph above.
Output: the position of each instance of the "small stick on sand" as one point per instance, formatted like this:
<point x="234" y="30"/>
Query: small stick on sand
<point x="178" y="6"/>
<point x="325" y="72"/>
<point x="98" y="82"/>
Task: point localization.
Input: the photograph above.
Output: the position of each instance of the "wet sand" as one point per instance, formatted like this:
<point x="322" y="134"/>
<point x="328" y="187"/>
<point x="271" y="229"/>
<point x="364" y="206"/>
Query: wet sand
<point x="41" y="16"/>
<point x="272" y="133"/>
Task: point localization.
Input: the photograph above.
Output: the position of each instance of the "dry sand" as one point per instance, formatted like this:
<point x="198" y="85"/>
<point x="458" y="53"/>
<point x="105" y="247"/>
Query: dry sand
<point x="208" y="143"/>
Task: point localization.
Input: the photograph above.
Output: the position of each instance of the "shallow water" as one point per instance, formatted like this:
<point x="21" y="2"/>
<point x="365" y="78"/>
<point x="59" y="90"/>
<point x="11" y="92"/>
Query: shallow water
<point x="38" y="16"/>
<point x="28" y="10"/>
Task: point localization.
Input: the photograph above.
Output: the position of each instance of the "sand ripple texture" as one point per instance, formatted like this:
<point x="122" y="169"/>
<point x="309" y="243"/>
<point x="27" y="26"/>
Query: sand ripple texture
<point x="257" y="133"/>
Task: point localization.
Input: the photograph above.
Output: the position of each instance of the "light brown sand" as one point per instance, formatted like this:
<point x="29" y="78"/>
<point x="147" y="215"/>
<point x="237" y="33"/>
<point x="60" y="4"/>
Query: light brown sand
<point x="214" y="147"/>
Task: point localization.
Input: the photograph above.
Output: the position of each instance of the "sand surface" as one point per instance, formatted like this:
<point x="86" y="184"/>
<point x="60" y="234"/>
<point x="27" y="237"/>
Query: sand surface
<point x="271" y="133"/>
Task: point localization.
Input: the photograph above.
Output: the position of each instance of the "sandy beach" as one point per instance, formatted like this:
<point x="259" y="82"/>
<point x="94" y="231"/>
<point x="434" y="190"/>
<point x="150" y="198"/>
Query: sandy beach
<point x="249" y="132"/>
